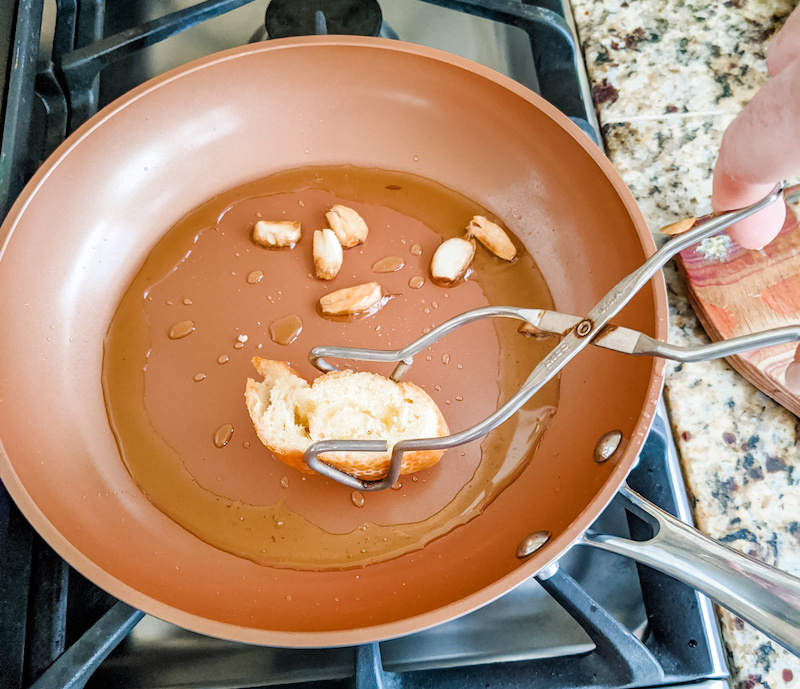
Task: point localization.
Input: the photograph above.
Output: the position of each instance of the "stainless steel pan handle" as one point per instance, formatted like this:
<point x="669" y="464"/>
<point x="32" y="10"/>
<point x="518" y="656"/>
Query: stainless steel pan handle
<point x="762" y="595"/>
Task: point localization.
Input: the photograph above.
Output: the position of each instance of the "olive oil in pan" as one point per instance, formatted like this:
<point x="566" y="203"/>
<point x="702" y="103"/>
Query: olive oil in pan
<point x="170" y="423"/>
<point x="390" y="264"/>
<point x="286" y="330"/>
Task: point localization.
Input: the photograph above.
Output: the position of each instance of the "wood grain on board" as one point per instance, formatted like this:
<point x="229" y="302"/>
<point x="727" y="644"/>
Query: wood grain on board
<point x="735" y="291"/>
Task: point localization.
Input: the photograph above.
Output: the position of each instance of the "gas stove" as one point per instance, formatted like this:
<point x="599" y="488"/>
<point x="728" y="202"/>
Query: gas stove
<point x="593" y="620"/>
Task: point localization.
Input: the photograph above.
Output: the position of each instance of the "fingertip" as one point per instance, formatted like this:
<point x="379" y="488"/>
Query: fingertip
<point x="730" y="193"/>
<point x="726" y="191"/>
<point x="760" y="229"/>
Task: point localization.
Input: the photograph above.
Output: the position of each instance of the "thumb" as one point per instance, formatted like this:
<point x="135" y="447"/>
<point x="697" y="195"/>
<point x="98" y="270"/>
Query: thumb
<point x="759" y="229"/>
<point x="760" y="148"/>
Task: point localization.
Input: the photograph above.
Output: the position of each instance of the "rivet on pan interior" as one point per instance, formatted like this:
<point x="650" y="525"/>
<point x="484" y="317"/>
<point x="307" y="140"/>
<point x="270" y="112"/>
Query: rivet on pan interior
<point x="529" y="545"/>
<point x="607" y="446"/>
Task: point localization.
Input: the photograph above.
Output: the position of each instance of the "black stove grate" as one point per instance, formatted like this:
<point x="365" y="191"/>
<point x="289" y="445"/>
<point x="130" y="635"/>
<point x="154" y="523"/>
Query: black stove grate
<point x="20" y="25"/>
<point x="56" y="627"/>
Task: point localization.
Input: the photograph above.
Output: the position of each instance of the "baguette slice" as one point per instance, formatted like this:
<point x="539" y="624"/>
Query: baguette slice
<point x="289" y="414"/>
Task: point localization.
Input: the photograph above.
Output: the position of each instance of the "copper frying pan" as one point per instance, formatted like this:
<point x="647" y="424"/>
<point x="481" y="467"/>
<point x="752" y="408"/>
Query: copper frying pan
<point x="85" y="223"/>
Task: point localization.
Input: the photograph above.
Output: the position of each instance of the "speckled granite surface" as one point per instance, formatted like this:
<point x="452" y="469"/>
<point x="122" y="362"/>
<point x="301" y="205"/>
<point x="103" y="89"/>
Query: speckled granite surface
<point x="668" y="77"/>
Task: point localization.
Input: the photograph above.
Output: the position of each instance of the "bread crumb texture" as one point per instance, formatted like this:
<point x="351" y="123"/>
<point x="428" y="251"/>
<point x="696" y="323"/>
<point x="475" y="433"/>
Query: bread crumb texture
<point x="289" y="414"/>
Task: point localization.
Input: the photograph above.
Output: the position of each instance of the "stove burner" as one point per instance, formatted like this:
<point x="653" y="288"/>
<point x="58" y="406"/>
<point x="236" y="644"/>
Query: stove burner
<point x="304" y="17"/>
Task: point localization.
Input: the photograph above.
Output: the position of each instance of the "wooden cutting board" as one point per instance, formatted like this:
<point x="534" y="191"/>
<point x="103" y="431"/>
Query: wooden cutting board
<point x="735" y="291"/>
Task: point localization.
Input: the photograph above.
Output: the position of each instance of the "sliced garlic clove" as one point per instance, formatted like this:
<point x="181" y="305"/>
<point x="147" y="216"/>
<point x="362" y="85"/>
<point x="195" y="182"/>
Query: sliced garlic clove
<point x="352" y="301"/>
<point x="492" y="236"/>
<point x="275" y="234"/>
<point x="679" y="227"/>
<point x="328" y="255"/>
<point x="348" y="225"/>
<point x="451" y="260"/>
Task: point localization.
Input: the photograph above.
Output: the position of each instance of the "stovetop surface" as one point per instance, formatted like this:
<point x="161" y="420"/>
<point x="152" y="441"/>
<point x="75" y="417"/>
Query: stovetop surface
<point x="663" y="633"/>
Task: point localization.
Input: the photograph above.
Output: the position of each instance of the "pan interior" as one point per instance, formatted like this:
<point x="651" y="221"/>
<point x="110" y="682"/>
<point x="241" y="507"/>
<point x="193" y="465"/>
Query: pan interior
<point x="208" y="299"/>
<point x="84" y="227"/>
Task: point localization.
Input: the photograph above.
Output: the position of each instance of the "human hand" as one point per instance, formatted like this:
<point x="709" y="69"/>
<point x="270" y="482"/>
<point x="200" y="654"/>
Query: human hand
<point x="762" y="145"/>
<point x="760" y="148"/>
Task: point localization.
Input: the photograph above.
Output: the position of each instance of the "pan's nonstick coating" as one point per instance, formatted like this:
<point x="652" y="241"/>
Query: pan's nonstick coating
<point x="92" y="213"/>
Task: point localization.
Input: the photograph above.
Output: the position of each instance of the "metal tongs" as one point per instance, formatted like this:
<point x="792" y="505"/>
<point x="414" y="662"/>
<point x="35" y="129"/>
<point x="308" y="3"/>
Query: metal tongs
<point x="577" y="332"/>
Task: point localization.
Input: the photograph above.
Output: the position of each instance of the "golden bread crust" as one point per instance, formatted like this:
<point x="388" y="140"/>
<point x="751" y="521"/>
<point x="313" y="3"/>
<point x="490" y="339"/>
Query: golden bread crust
<point x="365" y="466"/>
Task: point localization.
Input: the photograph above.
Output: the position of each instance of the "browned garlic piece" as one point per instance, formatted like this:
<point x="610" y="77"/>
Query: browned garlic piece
<point x="347" y="225"/>
<point x="327" y="252"/>
<point x="277" y="233"/>
<point x="492" y="236"/>
<point x="352" y="301"/>
<point x="678" y="227"/>
<point x="451" y="260"/>
<point x="532" y="331"/>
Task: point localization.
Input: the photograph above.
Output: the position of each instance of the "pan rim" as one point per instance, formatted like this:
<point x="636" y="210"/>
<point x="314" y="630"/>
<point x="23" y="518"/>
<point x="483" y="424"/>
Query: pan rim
<point x="334" y="638"/>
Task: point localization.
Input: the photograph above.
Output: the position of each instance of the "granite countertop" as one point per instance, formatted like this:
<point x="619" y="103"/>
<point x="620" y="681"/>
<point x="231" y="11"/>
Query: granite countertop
<point x="668" y="77"/>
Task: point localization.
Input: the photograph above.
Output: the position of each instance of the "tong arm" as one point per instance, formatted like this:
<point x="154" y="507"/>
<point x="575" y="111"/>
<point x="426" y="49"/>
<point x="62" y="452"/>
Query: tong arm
<point x="629" y="341"/>
<point x="608" y="307"/>
<point x="716" y="350"/>
<point x="319" y="355"/>
<point x="405" y="357"/>
<point x="577" y="337"/>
